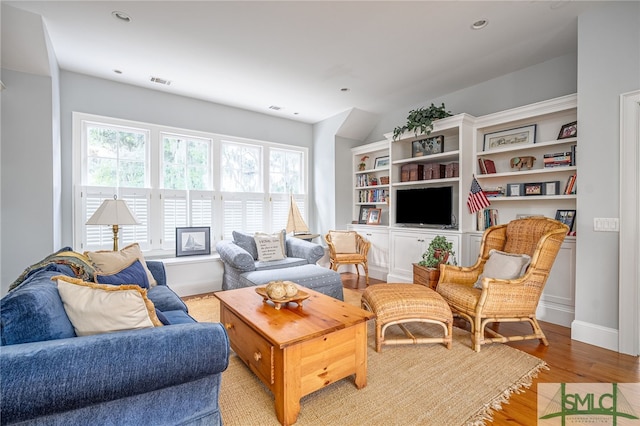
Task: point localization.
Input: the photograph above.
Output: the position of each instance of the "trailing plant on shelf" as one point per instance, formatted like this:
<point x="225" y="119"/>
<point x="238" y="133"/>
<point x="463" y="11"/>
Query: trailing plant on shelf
<point x="421" y="120"/>
<point x="437" y="253"/>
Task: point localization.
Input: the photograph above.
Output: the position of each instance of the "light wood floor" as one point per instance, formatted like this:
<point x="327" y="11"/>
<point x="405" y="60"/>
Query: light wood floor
<point x="569" y="361"/>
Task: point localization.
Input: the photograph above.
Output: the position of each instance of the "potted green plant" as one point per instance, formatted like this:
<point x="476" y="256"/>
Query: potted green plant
<point x="427" y="271"/>
<point x="421" y="120"/>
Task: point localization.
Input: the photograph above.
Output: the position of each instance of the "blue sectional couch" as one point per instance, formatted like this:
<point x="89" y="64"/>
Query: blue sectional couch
<point x="168" y="375"/>
<point x="243" y="269"/>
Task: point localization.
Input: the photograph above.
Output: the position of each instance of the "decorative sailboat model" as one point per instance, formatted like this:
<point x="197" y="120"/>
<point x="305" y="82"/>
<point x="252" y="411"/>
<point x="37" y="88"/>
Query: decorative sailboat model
<point x="295" y="222"/>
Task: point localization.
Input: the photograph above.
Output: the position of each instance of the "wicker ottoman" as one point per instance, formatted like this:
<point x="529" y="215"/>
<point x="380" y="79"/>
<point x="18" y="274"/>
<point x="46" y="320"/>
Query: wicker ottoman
<point x="403" y="303"/>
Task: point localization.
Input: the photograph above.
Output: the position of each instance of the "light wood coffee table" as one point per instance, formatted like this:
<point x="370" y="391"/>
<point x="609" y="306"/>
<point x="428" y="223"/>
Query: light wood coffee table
<point x="296" y="350"/>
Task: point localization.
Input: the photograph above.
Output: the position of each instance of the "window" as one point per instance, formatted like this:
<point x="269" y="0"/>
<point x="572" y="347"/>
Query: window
<point x="174" y="177"/>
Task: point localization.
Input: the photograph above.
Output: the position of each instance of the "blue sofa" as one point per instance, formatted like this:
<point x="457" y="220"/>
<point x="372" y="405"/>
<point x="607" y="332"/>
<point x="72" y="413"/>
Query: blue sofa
<point x="167" y="375"/>
<point x="243" y="269"/>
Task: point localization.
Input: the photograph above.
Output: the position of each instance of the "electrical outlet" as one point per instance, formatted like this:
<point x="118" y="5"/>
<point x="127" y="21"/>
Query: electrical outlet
<point x="606" y="224"/>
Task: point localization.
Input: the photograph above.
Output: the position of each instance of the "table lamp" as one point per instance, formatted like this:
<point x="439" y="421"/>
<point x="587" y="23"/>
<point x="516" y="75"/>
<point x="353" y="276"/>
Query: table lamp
<point x="115" y="213"/>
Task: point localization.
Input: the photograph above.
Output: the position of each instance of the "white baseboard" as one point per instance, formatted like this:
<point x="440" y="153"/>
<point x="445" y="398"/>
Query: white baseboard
<point x="555" y="313"/>
<point x="594" y="334"/>
<point x="393" y="278"/>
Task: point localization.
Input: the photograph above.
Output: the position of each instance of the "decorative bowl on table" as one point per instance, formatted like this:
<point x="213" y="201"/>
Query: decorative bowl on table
<point x="281" y="293"/>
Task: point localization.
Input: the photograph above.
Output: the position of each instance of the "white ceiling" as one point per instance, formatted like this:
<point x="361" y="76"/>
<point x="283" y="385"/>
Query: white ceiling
<point x="297" y="55"/>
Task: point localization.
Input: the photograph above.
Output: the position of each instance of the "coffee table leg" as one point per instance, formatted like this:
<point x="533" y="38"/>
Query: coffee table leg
<point x="361" y="355"/>
<point x="287" y="384"/>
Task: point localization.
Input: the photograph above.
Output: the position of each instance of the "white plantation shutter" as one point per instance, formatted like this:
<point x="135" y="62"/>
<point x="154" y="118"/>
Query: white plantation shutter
<point x="138" y="202"/>
<point x="174" y="211"/>
<point x="279" y="211"/>
<point x="201" y="208"/>
<point x="242" y="212"/>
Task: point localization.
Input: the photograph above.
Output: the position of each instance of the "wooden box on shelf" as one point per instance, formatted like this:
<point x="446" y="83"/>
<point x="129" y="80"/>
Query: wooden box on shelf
<point x="411" y="172"/>
<point x="434" y="171"/>
<point x="426" y="276"/>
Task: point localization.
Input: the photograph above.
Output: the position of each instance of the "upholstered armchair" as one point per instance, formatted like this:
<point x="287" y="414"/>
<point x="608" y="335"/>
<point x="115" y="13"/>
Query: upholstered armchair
<point x="348" y="248"/>
<point x="507" y="280"/>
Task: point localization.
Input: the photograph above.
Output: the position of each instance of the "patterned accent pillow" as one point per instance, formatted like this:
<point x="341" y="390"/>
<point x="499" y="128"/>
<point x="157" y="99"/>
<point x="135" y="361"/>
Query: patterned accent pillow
<point x="130" y="274"/>
<point x="97" y="308"/>
<point x="270" y="247"/>
<point x="246" y="242"/>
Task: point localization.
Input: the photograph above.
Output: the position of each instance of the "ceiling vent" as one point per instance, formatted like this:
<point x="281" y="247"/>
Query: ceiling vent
<point x="160" y="81"/>
<point x="275" y="107"/>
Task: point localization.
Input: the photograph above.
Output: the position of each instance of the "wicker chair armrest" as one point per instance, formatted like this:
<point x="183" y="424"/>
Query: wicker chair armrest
<point x="518" y="296"/>
<point x="459" y="274"/>
<point x="332" y="248"/>
<point x="363" y="246"/>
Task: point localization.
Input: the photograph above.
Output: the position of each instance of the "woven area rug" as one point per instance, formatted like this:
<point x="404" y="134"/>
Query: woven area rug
<point x="406" y="384"/>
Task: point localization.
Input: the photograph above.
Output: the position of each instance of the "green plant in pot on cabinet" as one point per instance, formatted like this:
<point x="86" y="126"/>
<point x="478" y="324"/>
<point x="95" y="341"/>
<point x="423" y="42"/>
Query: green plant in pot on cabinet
<point x="421" y="120"/>
<point x="427" y="271"/>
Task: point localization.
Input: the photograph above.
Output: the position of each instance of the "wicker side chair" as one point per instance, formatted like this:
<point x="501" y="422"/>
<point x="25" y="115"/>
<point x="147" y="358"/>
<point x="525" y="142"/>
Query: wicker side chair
<point x="504" y="300"/>
<point x="348" y="248"/>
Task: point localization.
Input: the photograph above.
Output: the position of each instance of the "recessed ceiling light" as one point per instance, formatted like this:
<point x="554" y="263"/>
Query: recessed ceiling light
<point x="345" y="89"/>
<point x="275" y="107"/>
<point x="160" y="81"/>
<point x="479" y="24"/>
<point x="121" y="16"/>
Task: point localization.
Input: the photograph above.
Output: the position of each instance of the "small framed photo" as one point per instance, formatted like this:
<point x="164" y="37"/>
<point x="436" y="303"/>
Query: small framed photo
<point x="520" y="135"/>
<point x="514" y="190"/>
<point x="374" y="216"/>
<point x="191" y="241"/>
<point x="364" y="214"/>
<point x="428" y="146"/>
<point x="381" y="162"/>
<point x="569" y="130"/>
<point x="552" y="188"/>
<point x="567" y="217"/>
<point x="533" y="189"/>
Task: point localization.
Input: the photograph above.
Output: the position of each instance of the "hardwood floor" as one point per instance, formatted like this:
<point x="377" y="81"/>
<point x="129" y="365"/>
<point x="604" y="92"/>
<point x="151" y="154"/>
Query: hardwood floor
<point x="569" y="361"/>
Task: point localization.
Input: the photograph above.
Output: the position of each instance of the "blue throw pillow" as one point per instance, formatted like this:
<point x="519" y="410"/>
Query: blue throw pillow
<point x="247" y="242"/>
<point x="132" y="274"/>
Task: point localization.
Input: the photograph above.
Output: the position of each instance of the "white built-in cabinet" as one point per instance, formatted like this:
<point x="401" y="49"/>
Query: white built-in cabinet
<point x="395" y="248"/>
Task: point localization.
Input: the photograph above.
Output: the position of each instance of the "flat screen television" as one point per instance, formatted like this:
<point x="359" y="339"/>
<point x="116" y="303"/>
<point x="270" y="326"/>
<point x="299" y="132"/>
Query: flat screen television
<point x="430" y="206"/>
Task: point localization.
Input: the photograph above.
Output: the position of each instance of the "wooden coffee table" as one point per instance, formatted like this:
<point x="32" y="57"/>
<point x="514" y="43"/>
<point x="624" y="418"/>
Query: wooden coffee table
<point x="296" y="350"/>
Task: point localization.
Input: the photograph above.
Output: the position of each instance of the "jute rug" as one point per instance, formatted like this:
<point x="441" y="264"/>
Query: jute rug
<point x="406" y="384"/>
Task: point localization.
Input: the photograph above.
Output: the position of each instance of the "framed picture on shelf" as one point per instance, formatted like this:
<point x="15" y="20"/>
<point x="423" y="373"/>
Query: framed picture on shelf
<point x="374" y="216"/>
<point x="191" y="241"/>
<point x="514" y="190"/>
<point x="381" y="162"/>
<point x="519" y="135"/>
<point x="363" y="218"/>
<point x="569" y="130"/>
<point x="552" y="188"/>
<point x="428" y="146"/>
<point x="567" y="217"/>
<point x="533" y="189"/>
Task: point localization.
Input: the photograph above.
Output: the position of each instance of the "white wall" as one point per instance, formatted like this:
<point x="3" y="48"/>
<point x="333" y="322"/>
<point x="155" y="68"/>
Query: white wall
<point x="609" y="65"/>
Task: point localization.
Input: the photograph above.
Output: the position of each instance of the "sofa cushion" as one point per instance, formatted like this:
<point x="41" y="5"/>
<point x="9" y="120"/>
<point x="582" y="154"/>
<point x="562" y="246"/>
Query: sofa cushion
<point x="178" y="317"/>
<point x="107" y="261"/>
<point x="287" y="262"/>
<point x="165" y="299"/>
<point x="98" y="308"/>
<point x="34" y="312"/>
<point x="505" y="266"/>
<point x="344" y="241"/>
<point x="130" y="274"/>
<point x="246" y="242"/>
<point x="79" y="264"/>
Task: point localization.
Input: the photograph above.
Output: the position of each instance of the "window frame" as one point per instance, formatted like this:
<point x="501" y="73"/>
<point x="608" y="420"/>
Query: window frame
<point x="155" y="244"/>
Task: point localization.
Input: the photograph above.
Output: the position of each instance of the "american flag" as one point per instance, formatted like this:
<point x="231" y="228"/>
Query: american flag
<point x="477" y="200"/>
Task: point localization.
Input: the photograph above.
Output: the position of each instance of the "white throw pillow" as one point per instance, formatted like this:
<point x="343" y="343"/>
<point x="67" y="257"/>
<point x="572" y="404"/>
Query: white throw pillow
<point x="110" y="262"/>
<point x="270" y="247"/>
<point x="344" y="241"/>
<point x="102" y="308"/>
<point x="506" y="266"/>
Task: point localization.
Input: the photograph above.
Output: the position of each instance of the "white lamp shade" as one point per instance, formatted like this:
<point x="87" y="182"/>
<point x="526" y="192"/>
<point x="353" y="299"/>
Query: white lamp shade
<point x="113" y="212"/>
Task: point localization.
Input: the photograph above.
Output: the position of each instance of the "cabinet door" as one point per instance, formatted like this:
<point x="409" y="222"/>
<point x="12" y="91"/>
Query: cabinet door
<point x="379" y="250"/>
<point x="407" y="249"/>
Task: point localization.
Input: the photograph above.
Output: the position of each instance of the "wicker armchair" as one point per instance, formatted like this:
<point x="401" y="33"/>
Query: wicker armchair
<point x="504" y="300"/>
<point x="348" y="248"/>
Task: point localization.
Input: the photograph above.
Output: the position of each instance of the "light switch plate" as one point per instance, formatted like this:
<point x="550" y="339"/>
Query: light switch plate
<point x="606" y="224"/>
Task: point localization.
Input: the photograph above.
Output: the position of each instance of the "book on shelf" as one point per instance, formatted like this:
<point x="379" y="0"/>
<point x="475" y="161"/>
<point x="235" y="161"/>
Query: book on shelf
<point x="573" y="154"/>
<point x="372" y="196"/>
<point x="570" y="186"/>
<point x="496" y="191"/>
<point x="486" y="218"/>
<point x="486" y="166"/>
<point x="558" y="159"/>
